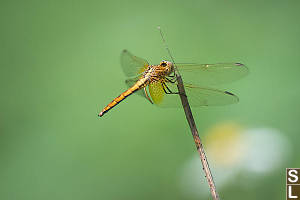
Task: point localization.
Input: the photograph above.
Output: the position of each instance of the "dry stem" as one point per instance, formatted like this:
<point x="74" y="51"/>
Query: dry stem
<point x="200" y="149"/>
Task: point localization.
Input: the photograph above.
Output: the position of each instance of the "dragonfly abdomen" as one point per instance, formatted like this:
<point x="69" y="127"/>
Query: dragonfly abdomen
<point x="139" y="84"/>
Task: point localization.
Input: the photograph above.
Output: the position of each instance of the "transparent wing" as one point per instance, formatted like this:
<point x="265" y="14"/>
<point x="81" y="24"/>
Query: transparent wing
<point x="212" y="74"/>
<point x="157" y="93"/>
<point x="130" y="82"/>
<point x="197" y="96"/>
<point x="131" y="64"/>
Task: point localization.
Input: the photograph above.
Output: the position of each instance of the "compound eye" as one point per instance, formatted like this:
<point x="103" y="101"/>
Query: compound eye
<point x="163" y="64"/>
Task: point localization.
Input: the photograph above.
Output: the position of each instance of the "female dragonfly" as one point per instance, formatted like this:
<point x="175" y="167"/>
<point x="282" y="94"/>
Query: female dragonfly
<point x="157" y="83"/>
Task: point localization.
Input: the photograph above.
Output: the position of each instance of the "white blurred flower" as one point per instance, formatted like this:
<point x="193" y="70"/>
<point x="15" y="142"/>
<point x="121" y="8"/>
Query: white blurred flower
<point x="267" y="149"/>
<point x="232" y="150"/>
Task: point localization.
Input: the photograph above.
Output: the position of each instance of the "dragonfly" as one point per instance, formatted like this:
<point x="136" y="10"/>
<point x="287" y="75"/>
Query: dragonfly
<point x="157" y="83"/>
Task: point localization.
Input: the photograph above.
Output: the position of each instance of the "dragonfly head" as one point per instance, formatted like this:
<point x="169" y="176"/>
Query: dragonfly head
<point x="169" y="67"/>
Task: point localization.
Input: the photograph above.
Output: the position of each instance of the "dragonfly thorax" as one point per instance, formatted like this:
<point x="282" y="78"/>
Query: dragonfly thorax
<point x="156" y="72"/>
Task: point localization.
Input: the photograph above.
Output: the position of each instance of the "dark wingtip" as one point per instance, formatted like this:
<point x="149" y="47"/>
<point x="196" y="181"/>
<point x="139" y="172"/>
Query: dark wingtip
<point x="233" y="95"/>
<point x="229" y="93"/>
<point x="239" y="64"/>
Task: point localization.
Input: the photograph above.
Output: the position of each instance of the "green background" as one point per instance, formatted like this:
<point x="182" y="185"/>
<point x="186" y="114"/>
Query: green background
<point x="60" y="66"/>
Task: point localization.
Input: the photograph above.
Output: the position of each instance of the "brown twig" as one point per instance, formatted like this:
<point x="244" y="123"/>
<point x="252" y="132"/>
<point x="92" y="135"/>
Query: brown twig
<point x="190" y="119"/>
<point x="200" y="149"/>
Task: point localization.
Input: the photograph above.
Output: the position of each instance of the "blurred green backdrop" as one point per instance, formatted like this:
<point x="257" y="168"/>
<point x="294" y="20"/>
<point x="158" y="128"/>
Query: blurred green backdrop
<point x="60" y="66"/>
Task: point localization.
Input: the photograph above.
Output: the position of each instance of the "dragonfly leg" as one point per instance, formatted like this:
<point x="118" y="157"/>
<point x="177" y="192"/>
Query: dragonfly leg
<point x="164" y="85"/>
<point x="173" y="74"/>
<point x="167" y="89"/>
<point x="172" y="77"/>
<point x="172" y="80"/>
<point x="147" y="96"/>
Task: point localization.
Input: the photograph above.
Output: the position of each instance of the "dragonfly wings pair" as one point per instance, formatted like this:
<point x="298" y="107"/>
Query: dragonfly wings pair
<point x="196" y="78"/>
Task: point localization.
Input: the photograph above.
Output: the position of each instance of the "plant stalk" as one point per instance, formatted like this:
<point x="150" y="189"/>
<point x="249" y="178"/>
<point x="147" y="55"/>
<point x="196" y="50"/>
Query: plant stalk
<point x="199" y="146"/>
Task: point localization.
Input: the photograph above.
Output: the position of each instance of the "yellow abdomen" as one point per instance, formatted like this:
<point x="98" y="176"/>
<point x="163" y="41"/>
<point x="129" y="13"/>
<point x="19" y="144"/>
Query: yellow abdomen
<point x="139" y="84"/>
